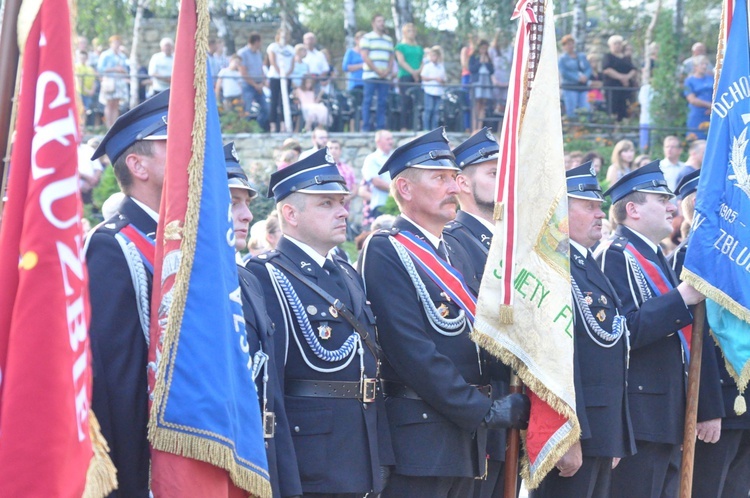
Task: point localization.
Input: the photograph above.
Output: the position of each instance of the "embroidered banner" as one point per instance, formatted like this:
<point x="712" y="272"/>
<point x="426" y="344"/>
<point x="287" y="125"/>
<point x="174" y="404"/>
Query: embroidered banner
<point x="204" y="400"/>
<point x="45" y="361"/>
<point x="718" y="257"/>
<point x="524" y="312"/>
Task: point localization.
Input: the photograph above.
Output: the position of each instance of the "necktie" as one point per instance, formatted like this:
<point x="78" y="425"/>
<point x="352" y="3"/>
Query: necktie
<point x="666" y="266"/>
<point x="442" y="250"/>
<point x="336" y="278"/>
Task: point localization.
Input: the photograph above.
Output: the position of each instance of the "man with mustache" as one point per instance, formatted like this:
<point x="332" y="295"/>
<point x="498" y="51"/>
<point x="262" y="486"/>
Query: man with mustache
<point x="601" y="351"/>
<point x="324" y="336"/>
<point x="656" y="306"/>
<point x="436" y="380"/>
<point x="472" y="230"/>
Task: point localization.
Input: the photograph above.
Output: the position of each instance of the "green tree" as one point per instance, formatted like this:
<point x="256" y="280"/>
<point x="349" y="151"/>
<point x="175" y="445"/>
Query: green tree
<point x="668" y="106"/>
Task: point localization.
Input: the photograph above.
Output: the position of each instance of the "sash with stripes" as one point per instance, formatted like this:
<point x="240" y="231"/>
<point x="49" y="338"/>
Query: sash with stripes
<point x="659" y="282"/>
<point x="444" y="275"/>
<point x="145" y="245"/>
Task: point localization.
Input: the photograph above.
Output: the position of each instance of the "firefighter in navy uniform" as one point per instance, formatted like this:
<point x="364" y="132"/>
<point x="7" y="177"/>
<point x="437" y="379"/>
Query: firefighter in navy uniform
<point x="601" y="356"/>
<point x="282" y="462"/>
<point x="722" y="457"/>
<point x="656" y="307"/>
<point x="435" y="378"/>
<point x="472" y="231"/>
<point x="120" y="256"/>
<point x="324" y="336"/>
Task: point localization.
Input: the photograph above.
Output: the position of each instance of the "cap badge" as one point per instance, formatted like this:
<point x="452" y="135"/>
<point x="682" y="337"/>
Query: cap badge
<point x="329" y="157"/>
<point x="490" y="136"/>
<point x="445" y="135"/>
<point x="234" y="154"/>
<point x="592" y="170"/>
<point x="164" y="118"/>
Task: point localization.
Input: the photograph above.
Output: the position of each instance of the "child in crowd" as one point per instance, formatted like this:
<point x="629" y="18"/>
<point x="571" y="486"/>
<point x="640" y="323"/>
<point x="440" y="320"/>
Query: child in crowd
<point x="301" y="69"/>
<point x="433" y="78"/>
<point x="313" y="111"/>
<point x="228" y="84"/>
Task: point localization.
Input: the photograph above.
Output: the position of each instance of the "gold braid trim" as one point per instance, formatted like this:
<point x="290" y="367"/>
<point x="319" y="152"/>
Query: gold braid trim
<point x="506" y="314"/>
<point x="162" y="438"/>
<point x="101" y="477"/>
<point x="215" y="453"/>
<point x="497" y="213"/>
<point x="541" y="391"/>
<point x="740" y="407"/>
<point x="716" y="294"/>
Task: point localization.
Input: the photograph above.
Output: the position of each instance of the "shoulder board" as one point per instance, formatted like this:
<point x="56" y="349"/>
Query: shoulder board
<point x="113" y="225"/>
<point x="262" y="259"/>
<point x="386" y="232"/>
<point x="452" y="226"/>
<point x="618" y="243"/>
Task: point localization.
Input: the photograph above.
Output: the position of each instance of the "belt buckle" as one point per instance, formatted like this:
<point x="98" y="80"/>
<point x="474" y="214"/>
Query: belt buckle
<point x="269" y="424"/>
<point x="369" y="390"/>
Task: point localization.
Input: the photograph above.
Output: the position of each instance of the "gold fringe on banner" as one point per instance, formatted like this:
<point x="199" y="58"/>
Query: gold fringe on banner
<point x="541" y="391"/>
<point x="506" y="314"/>
<point x="716" y="294"/>
<point x="497" y="214"/>
<point x="164" y="436"/>
<point x="101" y="477"/>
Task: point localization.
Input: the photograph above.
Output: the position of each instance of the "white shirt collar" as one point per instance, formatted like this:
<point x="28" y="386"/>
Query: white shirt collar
<point x="153" y="214"/>
<point x="435" y="241"/>
<point x="584" y="252"/>
<point x="314" y="255"/>
<point x="653" y="246"/>
<point x="484" y="222"/>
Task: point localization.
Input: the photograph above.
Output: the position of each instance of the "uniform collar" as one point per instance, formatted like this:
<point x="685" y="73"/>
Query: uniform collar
<point x="435" y="241"/>
<point x="584" y="252"/>
<point x="653" y="246"/>
<point x="153" y="214"/>
<point x="489" y="226"/>
<point x="314" y="255"/>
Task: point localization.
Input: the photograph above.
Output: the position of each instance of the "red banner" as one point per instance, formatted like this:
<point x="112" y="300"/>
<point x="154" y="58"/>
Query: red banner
<point x="45" y="375"/>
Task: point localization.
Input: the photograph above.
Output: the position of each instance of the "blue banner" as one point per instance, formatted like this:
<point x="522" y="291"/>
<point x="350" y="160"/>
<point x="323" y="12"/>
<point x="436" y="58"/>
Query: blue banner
<point x="205" y="405"/>
<point x="718" y="256"/>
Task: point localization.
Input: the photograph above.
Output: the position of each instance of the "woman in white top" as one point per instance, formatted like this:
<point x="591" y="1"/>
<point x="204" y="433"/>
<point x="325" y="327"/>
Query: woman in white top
<point x="433" y="78"/>
<point x="281" y="65"/>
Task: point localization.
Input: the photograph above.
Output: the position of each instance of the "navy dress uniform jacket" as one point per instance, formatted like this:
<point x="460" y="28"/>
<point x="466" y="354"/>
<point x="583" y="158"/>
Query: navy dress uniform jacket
<point x="601" y="397"/>
<point x="282" y="461"/>
<point x="710" y="399"/>
<point x="474" y="238"/>
<point x="340" y="443"/>
<point x="119" y="351"/>
<point x="657" y="374"/>
<point x="442" y="433"/>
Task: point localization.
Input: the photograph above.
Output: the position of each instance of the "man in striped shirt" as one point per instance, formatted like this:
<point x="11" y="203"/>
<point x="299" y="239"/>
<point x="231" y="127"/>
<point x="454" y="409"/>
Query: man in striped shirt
<point x="376" y="48"/>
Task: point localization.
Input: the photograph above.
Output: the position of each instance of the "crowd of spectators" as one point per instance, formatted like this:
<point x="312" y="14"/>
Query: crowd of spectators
<point x="381" y="84"/>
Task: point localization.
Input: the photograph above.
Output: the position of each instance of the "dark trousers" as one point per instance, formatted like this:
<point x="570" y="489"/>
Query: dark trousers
<point x="593" y="480"/>
<point x="723" y="469"/>
<point x="379" y="88"/>
<point x="407" y="103"/>
<point x="401" y="486"/>
<point x="277" y="113"/>
<point x="646" y="473"/>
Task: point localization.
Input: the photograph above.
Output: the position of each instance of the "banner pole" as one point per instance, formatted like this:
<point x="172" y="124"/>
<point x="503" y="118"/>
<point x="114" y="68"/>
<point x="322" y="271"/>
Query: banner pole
<point x="512" y="447"/>
<point x="691" y="409"/>
<point x="9" y="54"/>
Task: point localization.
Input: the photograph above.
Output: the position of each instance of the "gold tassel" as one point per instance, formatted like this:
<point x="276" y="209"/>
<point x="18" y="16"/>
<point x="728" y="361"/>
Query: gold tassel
<point x="740" y="407"/>
<point x="497" y="214"/>
<point x="506" y="314"/>
<point x="101" y="477"/>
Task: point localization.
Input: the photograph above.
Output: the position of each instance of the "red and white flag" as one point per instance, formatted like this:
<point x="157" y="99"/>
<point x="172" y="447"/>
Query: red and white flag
<point x="45" y="374"/>
<point x="524" y="313"/>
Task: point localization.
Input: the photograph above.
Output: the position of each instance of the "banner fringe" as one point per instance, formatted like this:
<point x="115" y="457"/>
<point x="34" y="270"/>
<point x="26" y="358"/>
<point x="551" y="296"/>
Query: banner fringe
<point x="740" y="407"/>
<point x="716" y="294"/>
<point x="161" y="438"/>
<point x="530" y="381"/>
<point x="215" y="453"/>
<point x="497" y="213"/>
<point x="101" y="476"/>
<point x="506" y="314"/>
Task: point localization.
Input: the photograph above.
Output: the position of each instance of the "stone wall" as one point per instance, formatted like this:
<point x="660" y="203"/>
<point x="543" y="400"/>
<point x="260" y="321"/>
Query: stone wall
<point x="256" y="151"/>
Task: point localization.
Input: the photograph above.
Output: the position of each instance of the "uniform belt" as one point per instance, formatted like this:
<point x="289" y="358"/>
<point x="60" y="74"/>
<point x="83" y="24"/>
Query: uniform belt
<point x="399" y="390"/>
<point x="365" y="391"/>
